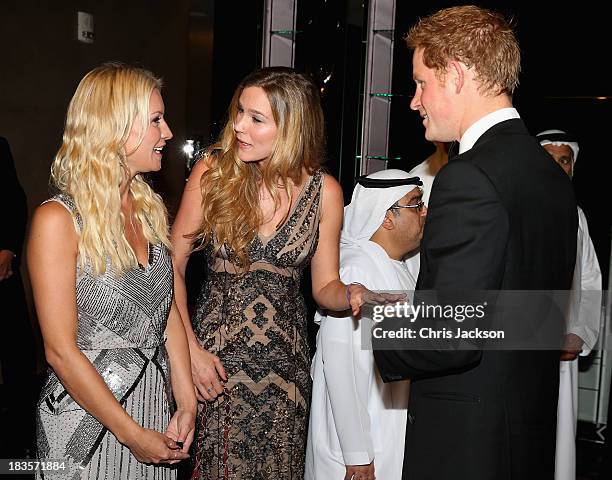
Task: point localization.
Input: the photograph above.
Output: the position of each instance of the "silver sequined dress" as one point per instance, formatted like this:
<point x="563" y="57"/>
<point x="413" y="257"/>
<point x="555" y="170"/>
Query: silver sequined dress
<point x="256" y="324"/>
<point x="121" y="325"/>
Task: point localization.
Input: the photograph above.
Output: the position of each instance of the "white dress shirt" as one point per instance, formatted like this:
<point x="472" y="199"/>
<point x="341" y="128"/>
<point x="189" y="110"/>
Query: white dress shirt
<point x="475" y="131"/>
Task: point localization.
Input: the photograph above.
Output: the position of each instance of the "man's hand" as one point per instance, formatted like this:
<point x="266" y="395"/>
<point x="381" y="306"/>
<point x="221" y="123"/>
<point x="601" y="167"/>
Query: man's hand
<point x="358" y="295"/>
<point x="6" y="264"/>
<point x="360" y="472"/>
<point x="572" y="346"/>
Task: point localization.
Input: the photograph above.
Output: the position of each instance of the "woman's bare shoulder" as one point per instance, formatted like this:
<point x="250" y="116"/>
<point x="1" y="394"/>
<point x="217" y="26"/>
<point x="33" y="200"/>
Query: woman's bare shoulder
<point x="331" y="187"/>
<point x="53" y="221"/>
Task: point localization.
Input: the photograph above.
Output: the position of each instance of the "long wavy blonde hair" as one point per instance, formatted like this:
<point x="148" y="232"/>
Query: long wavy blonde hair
<point x="230" y="188"/>
<point x="91" y="164"/>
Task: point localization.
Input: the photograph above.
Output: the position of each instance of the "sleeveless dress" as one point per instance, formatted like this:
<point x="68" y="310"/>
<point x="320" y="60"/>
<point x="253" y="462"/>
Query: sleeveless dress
<point x="256" y="324"/>
<point x="121" y="325"/>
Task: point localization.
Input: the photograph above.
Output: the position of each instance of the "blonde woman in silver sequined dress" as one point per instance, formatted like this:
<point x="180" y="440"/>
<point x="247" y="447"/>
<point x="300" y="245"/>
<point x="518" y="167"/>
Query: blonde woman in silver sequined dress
<point x="260" y="205"/>
<point x="101" y="272"/>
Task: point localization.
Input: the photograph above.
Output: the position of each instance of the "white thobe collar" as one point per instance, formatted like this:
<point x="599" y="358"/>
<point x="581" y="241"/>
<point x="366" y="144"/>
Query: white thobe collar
<point x="475" y="131"/>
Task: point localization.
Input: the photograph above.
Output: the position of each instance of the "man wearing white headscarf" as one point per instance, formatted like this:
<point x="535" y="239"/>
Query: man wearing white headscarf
<point x="357" y="423"/>
<point x="584" y="314"/>
<point x="562" y="147"/>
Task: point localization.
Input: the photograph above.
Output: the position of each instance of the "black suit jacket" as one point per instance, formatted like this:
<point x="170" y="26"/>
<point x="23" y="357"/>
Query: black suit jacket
<point x="502" y="216"/>
<point x="17" y="348"/>
<point x="12" y="203"/>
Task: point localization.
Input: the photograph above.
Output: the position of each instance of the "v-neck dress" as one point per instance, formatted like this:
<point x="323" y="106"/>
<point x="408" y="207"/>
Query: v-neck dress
<point x="255" y="322"/>
<point x="121" y="324"/>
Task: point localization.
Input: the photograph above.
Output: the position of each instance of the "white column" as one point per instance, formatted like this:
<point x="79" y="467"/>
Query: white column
<point x="279" y="33"/>
<point x="377" y="86"/>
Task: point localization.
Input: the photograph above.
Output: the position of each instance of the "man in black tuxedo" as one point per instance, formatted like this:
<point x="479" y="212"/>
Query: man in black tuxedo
<point x="501" y="217"/>
<point x="17" y="347"/>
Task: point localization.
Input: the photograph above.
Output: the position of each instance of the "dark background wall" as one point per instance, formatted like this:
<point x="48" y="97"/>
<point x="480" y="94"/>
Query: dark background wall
<point x="43" y="62"/>
<point x="199" y="73"/>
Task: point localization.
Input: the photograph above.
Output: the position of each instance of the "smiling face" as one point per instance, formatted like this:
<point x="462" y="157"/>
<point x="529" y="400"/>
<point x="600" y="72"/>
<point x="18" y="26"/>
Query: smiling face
<point x="254" y="126"/>
<point x="146" y="156"/>
<point x="434" y="100"/>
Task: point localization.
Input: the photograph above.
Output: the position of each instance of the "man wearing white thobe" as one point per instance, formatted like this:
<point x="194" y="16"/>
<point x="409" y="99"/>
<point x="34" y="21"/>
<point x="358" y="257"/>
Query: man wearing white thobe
<point x="357" y="423"/>
<point x="584" y="315"/>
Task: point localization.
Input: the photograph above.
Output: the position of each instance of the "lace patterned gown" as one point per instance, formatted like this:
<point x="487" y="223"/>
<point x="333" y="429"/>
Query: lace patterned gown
<point x="121" y="324"/>
<point x="256" y="324"/>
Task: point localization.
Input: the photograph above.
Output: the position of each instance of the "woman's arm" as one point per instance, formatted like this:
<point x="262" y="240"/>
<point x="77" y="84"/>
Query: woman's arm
<point x="182" y="424"/>
<point x="52" y="257"/>
<point x="206" y="367"/>
<point x="327" y="289"/>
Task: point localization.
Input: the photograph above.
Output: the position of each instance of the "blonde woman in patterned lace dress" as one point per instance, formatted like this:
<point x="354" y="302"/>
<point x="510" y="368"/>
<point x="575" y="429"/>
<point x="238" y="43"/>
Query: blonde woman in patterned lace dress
<point x="262" y="209"/>
<point x="101" y="274"/>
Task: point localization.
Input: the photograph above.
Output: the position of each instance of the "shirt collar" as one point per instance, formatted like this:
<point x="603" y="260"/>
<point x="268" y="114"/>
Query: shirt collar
<point x="475" y="131"/>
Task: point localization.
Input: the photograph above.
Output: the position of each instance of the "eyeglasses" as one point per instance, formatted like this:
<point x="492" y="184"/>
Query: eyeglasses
<point x="419" y="206"/>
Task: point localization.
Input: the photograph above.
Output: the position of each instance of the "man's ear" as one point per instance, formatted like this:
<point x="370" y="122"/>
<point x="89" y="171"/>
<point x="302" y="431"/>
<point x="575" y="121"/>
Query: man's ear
<point x="388" y="223"/>
<point x="457" y="73"/>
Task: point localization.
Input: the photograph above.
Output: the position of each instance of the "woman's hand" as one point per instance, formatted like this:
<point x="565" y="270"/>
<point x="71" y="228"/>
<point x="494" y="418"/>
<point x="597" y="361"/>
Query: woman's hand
<point x="149" y="446"/>
<point x="181" y="428"/>
<point x="207" y="372"/>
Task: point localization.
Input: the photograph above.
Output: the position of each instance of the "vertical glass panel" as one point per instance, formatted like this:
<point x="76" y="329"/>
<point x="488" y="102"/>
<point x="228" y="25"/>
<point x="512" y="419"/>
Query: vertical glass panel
<point x="331" y="48"/>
